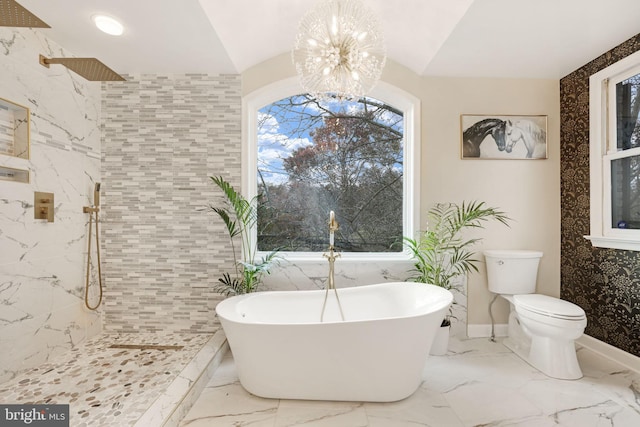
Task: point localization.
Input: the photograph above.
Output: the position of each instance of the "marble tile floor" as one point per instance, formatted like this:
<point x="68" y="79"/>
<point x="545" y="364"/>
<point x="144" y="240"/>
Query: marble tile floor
<point x="154" y="385"/>
<point x="478" y="383"/>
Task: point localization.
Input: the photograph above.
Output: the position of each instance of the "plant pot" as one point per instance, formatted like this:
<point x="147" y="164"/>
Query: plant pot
<point x="441" y="341"/>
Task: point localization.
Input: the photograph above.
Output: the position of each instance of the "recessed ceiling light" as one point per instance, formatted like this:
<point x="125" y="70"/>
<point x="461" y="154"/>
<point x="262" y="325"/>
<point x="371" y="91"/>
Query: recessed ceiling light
<point x="108" y="25"/>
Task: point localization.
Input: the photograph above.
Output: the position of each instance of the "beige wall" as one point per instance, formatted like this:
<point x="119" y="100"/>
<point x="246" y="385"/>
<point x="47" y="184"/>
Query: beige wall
<point x="527" y="190"/>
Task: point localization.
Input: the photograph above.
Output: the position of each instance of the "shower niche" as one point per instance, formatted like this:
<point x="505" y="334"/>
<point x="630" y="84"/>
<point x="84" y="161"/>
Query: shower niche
<point x="14" y="138"/>
<point x="14" y="129"/>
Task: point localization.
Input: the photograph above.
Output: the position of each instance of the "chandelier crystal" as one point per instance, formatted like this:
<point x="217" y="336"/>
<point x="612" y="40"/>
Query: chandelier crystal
<point x="339" y="50"/>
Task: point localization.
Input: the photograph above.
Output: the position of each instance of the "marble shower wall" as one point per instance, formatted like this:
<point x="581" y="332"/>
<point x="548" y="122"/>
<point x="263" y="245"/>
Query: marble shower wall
<point x="163" y="137"/>
<point x="604" y="282"/>
<point x="42" y="265"/>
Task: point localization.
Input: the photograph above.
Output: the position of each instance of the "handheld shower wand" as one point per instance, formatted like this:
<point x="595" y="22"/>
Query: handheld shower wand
<point x="96" y="195"/>
<point x="91" y="210"/>
<point x="96" y="201"/>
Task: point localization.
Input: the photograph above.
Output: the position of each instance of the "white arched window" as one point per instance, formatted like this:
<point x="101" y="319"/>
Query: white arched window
<point x="306" y="158"/>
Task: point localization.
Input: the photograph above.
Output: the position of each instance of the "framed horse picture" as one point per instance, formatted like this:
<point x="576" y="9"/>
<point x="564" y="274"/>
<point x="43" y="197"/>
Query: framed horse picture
<point x="503" y="136"/>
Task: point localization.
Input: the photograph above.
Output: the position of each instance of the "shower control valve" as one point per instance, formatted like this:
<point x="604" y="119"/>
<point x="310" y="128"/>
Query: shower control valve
<point x="43" y="207"/>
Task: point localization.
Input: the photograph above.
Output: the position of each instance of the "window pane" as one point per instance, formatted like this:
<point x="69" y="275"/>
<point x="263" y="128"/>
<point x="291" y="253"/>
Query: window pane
<point x="627" y="107"/>
<point x="625" y="192"/>
<point x="316" y="157"/>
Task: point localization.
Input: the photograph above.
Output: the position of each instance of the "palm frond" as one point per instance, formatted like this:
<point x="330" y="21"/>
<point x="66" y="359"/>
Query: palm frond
<point x="232" y="196"/>
<point x="440" y="252"/>
<point x="232" y="226"/>
<point x="228" y="286"/>
<point x="240" y="216"/>
<point x="243" y="209"/>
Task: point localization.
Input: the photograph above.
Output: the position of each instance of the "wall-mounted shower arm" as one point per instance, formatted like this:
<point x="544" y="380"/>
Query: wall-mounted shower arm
<point x="89" y="68"/>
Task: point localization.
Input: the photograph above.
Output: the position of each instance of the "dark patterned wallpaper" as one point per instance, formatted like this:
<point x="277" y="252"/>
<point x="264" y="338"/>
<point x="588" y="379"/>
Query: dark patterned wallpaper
<point x="604" y="282"/>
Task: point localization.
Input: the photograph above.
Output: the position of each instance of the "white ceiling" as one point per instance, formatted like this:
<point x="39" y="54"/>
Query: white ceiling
<point x="483" y="38"/>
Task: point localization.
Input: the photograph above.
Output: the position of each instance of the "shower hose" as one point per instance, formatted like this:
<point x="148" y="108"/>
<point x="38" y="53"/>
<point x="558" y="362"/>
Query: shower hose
<point x="86" y="288"/>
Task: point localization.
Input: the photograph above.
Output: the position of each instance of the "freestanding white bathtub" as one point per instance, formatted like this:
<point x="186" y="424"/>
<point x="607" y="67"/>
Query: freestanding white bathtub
<point x="282" y="350"/>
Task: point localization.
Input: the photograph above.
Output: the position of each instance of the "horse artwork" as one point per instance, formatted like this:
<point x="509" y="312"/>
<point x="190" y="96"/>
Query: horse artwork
<point x="515" y="137"/>
<point x="474" y="135"/>
<point x="532" y="136"/>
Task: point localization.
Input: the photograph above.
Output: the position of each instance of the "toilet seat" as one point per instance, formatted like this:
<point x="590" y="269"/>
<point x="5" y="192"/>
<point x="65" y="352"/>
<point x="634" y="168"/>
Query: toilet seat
<point x="549" y="306"/>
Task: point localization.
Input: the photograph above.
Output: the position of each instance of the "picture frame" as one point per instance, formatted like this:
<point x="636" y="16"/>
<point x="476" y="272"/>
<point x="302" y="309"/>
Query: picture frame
<point x="505" y="136"/>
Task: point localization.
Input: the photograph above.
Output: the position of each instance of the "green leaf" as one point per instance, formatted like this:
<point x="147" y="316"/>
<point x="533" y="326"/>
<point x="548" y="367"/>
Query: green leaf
<point x="232" y="226"/>
<point x="239" y="216"/>
<point x="440" y="252"/>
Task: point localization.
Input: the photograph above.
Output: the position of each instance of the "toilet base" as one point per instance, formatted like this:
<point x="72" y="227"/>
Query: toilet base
<point x="554" y="358"/>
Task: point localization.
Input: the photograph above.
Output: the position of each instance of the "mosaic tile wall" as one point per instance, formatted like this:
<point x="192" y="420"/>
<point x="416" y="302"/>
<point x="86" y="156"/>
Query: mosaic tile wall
<point x="42" y="264"/>
<point x="604" y="282"/>
<point x="163" y="137"/>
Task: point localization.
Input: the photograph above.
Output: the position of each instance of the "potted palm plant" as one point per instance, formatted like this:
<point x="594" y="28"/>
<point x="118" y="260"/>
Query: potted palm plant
<point x="442" y="254"/>
<point x="239" y="216"/>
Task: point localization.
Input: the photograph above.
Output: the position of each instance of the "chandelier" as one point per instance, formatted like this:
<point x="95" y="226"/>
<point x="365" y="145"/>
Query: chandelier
<point x="339" y="50"/>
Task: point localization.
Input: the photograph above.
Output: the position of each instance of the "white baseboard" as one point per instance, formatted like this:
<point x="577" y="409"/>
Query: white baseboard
<point x="484" y="331"/>
<point x="627" y="360"/>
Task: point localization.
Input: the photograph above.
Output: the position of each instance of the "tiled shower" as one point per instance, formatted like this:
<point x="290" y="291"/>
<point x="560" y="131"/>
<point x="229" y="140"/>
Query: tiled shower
<point x="151" y="142"/>
<point x="42" y="283"/>
<point x="163" y="137"/>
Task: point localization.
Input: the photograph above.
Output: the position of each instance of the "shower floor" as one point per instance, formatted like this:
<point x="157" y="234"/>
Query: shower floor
<point x="137" y="379"/>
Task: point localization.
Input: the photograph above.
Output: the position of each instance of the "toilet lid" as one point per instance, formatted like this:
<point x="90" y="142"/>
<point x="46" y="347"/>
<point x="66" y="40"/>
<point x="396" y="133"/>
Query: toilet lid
<point x="549" y="306"/>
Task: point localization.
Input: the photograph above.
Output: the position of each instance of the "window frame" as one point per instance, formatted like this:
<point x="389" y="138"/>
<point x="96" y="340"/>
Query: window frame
<point x="383" y="91"/>
<point x="603" y="150"/>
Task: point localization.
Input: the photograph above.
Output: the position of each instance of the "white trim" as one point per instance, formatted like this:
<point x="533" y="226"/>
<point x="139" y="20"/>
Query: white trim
<point x="601" y="348"/>
<point x="621" y="243"/>
<point x="250" y="104"/>
<point x="625" y="359"/>
<point x="596" y="150"/>
<point x="615" y="155"/>
<point x="602" y="234"/>
<point x="484" y="330"/>
<point x="313" y="257"/>
<point x="409" y="104"/>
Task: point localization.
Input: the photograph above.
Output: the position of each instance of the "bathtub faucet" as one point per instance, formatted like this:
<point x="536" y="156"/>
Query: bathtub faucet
<point x="331" y="257"/>
<point x="333" y="227"/>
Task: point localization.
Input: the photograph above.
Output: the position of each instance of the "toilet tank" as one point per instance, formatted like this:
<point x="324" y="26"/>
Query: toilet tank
<point x="512" y="271"/>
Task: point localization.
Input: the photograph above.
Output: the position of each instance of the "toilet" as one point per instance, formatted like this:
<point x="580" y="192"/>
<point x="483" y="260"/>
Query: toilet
<point x="542" y="329"/>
